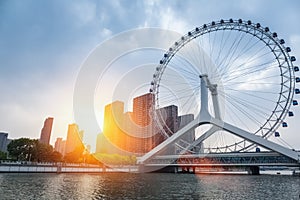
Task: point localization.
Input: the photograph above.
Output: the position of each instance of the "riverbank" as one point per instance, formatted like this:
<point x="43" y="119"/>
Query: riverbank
<point x="30" y="167"/>
<point x="61" y="168"/>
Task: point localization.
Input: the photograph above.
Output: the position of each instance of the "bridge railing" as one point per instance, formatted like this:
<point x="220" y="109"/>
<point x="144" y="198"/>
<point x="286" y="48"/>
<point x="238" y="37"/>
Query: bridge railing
<point x="225" y="159"/>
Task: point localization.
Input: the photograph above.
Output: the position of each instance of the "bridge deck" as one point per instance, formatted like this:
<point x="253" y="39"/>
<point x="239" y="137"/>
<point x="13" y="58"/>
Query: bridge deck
<point x="224" y="159"/>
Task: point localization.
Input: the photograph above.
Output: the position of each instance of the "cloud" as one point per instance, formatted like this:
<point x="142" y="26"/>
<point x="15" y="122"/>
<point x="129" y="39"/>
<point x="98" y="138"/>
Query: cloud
<point x="105" y="32"/>
<point x="85" y="11"/>
<point x="158" y="14"/>
<point x="43" y="44"/>
<point x="295" y="41"/>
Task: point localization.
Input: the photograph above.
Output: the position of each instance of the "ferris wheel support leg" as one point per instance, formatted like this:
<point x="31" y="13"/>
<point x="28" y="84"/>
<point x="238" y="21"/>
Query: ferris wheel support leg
<point x="203" y="137"/>
<point x="204" y="113"/>
<point x="192" y="125"/>
<point x="216" y="104"/>
<point x="205" y="85"/>
<point x="256" y="139"/>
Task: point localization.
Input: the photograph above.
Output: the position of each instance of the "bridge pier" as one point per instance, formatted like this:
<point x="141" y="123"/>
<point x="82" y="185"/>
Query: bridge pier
<point x="253" y="170"/>
<point x="167" y="169"/>
<point x="175" y="170"/>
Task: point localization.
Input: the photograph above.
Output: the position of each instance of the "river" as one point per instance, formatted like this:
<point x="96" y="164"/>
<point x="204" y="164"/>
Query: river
<point x="147" y="186"/>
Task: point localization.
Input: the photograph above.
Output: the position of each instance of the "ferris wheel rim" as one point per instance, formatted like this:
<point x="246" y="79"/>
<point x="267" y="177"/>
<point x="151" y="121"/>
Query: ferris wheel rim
<point x="270" y="39"/>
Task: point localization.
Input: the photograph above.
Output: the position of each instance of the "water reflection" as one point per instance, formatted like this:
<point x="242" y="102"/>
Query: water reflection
<point x="147" y="186"/>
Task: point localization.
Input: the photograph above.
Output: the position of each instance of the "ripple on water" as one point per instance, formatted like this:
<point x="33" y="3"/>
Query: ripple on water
<point x="147" y="186"/>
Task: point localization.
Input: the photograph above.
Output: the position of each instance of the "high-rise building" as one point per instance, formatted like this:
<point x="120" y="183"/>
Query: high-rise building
<point x="183" y="121"/>
<point x="189" y="137"/>
<point x="7" y="142"/>
<point x="60" y="145"/>
<point x="100" y="145"/>
<point x="3" y="141"/>
<point x="142" y="106"/>
<point x="104" y="145"/>
<point x="131" y="139"/>
<point x="113" y="117"/>
<point x="46" y="131"/>
<point x="142" y="117"/>
<point x="74" y="138"/>
<point x="165" y="126"/>
<point x="136" y="131"/>
<point x="168" y="120"/>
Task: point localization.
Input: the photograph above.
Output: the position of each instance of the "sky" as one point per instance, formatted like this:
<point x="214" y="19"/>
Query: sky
<point x="43" y="45"/>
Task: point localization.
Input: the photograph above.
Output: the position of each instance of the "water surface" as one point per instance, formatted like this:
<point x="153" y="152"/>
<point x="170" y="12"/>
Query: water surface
<point x="147" y="186"/>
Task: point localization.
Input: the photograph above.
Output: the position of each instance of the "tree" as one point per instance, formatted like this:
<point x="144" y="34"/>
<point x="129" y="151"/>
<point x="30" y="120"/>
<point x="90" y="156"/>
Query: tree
<point x="3" y="155"/>
<point x="41" y="152"/>
<point x="76" y="156"/>
<point x="90" y="158"/>
<point x="21" y="149"/>
<point x="56" y="157"/>
<point x="33" y="150"/>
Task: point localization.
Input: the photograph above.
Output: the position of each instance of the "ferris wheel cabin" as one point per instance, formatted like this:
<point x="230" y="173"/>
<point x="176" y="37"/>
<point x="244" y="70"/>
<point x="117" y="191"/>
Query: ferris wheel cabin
<point x="295" y="103"/>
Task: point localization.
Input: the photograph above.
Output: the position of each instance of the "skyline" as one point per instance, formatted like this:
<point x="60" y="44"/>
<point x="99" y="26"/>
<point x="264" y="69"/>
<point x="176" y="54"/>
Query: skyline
<point x="46" y="43"/>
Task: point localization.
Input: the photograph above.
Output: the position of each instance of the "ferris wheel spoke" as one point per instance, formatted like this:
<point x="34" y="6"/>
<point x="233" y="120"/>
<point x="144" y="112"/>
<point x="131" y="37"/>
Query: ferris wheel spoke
<point x="234" y="116"/>
<point x="252" y="59"/>
<point x="171" y="97"/>
<point x="248" y="73"/>
<point x="229" y="58"/>
<point x="245" y="49"/>
<point x="248" y="91"/>
<point x="243" y="109"/>
<point x="193" y="81"/>
<point x="184" y="67"/>
<point x="250" y="83"/>
<point x="256" y="96"/>
<point x="220" y="48"/>
<point x="250" y="108"/>
<point x="254" y="68"/>
<point x="228" y="52"/>
<point x="249" y="105"/>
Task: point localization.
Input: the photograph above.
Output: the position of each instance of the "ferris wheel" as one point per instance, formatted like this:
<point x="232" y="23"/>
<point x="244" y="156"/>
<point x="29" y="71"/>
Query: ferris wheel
<point x="252" y="70"/>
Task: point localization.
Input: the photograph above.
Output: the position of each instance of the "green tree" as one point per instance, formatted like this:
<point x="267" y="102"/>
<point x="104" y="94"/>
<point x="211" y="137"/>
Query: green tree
<point x="76" y="156"/>
<point x="55" y="157"/>
<point x="3" y="155"/>
<point x="21" y="149"/>
<point x="41" y="152"/>
<point x="33" y="150"/>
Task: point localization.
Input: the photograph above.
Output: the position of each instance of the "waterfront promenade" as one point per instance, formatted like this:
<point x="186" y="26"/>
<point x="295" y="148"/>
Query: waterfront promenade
<point x="30" y="167"/>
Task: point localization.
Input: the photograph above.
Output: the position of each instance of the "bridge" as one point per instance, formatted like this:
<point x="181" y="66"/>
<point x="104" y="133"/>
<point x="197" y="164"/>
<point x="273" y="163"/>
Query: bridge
<point x="246" y="161"/>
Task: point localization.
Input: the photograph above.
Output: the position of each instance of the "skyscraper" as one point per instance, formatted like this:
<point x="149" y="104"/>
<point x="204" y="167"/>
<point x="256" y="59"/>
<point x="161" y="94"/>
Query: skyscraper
<point x="3" y="141"/>
<point x="101" y="144"/>
<point x="135" y="131"/>
<point x="113" y="117"/>
<point x="189" y="137"/>
<point x="183" y="121"/>
<point x="46" y="131"/>
<point x="60" y="145"/>
<point x="74" y="138"/>
<point x="142" y="106"/>
<point x="168" y="119"/>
